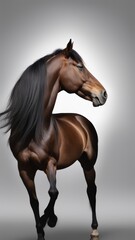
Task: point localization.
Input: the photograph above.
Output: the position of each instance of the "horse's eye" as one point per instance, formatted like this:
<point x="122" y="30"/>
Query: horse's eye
<point x="80" y="67"/>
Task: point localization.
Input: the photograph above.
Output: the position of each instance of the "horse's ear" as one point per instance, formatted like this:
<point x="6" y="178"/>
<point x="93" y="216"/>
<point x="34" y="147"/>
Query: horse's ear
<point x="68" y="48"/>
<point x="69" y="45"/>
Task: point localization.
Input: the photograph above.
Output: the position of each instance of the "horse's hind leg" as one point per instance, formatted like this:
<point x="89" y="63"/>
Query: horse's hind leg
<point x="49" y="215"/>
<point x="91" y="191"/>
<point x="27" y="176"/>
<point x="89" y="174"/>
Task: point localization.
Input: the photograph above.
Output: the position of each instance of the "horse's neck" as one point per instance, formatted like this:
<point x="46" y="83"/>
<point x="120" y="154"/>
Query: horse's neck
<point x="49" y="103"/>
<point x="51" y="91"/>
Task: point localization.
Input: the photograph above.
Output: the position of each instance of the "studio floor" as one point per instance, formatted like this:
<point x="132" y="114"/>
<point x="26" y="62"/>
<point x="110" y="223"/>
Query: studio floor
<point x="22" y="230"/>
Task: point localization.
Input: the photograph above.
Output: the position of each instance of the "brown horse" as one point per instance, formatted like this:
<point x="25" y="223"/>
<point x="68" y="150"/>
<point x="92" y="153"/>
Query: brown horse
<point x="40" y="140"/>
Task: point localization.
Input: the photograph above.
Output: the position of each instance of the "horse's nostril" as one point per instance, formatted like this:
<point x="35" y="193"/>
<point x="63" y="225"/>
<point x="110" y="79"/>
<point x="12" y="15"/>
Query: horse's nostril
<point x="104" y="94"/>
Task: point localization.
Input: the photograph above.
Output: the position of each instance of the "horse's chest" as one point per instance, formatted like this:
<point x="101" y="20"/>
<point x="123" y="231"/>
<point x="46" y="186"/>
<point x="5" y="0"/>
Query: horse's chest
<point x="40" y="155"/>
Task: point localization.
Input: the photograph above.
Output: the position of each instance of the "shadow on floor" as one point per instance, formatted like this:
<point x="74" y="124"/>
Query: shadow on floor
<point x="17" y="230"/>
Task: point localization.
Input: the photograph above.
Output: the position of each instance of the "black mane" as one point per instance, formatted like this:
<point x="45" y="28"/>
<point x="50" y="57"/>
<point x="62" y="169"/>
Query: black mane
<point x="72" y="54"/>
<point x="24" y="113"/>
<point x="75" y="56"/>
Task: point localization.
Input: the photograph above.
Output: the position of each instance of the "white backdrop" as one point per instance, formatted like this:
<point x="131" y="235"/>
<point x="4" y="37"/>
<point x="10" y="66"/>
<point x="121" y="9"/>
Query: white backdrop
<point x="104" y="35"/>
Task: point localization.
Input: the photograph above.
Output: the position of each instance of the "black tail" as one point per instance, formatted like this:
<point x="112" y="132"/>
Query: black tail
<point x="24" y="114"/>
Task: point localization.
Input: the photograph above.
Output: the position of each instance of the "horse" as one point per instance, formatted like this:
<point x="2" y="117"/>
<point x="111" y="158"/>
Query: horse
<point x="40" y="140"/>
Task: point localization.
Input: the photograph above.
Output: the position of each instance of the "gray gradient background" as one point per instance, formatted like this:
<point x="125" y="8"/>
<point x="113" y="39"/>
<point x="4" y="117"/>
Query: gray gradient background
<point x="104" y="34"/>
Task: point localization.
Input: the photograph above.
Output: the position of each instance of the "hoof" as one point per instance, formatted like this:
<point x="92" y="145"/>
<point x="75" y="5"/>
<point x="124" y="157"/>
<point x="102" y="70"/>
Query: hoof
<point x="94" y="234"/>
<point x="94" y="238"/>
<point x="40" y="237"/>
<point x="52" y="221"/>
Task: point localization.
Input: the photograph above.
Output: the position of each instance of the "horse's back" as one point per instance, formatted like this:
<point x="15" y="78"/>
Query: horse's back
<point x="77" y="136"/>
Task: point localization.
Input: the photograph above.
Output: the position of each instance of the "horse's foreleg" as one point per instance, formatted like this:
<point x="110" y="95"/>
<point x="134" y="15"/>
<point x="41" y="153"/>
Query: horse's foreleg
<point x="49" y="215"/>
<point x="27" y="177"/>
<point x="91" y="191"/>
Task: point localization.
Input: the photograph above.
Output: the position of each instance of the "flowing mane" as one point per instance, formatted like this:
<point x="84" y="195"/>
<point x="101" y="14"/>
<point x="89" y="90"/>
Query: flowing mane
<point x="24" y="113"/>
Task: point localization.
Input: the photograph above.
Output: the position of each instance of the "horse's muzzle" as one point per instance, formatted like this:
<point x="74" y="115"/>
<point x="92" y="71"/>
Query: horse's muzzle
<point x="99" y="99"/>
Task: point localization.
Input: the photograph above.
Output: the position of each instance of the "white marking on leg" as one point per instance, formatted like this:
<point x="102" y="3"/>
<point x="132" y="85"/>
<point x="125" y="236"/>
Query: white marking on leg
<point x="95" y="233"/>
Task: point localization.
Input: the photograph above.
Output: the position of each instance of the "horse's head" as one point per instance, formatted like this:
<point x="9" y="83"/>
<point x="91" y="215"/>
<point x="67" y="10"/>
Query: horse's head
<point x="75" y="78"/>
